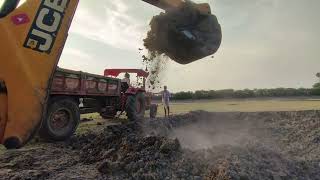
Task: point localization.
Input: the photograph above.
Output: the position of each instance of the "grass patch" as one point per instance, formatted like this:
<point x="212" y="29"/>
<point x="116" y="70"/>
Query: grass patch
<point x="2" y="149"/>
<point x="253" y="105"/>
<point x="91" y="116"/>
<point x="242" y="105"/>
<point x="87" y="126"/>
<point x="97" y="122"/>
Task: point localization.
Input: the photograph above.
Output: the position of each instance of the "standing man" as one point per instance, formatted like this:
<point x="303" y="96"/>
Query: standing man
<point x="125" y="82"/>
<point x="126" y="79"/>
<point x="165" y="100"/>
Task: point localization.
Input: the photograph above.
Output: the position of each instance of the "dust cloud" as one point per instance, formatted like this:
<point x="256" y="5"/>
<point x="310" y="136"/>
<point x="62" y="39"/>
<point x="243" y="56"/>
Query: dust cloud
<point x="208" y="133"/>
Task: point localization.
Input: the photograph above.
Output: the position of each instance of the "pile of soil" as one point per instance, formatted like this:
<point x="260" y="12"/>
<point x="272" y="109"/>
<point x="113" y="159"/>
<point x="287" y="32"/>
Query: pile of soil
<point x="123" y="152"/>
<point x="198" y="145"/>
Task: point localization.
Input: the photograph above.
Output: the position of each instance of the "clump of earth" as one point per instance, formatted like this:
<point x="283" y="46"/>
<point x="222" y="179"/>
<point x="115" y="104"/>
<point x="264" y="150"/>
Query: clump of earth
<point x="198" y="145"/>
<point x="183" y="35"/>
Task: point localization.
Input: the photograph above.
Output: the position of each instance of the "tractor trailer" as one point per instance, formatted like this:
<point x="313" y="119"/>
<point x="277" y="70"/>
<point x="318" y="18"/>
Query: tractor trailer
<point x="95" y="94"/>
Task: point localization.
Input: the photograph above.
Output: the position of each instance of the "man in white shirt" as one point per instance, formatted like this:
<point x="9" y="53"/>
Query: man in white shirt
<point x="165" y="100"/>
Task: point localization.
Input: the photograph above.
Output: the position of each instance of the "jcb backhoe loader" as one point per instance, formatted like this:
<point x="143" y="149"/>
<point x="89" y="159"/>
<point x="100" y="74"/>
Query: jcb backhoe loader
<point x="32" y="38"/>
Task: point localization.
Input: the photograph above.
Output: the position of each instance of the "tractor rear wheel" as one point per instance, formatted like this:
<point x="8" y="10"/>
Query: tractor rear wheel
<point x="61" y="121"/>
<point x="136" y="106"/>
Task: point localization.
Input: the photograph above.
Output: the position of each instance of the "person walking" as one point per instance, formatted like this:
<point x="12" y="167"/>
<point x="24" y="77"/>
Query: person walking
<point x="165" y="100"/>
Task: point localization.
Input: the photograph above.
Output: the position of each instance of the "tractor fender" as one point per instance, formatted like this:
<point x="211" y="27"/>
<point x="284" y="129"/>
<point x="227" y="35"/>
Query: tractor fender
<point x="134" y="91"/>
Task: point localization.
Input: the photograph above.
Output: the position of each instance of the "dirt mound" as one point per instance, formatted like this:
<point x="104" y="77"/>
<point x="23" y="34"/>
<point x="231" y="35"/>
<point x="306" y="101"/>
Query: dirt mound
<point x="266" y="145"/>
<point x="197" y="145"/>
<point x="124" y="152"/>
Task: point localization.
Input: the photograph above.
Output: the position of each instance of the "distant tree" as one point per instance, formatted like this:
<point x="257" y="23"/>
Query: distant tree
<point x="225" y="93"/>
<point x="212" y="94"/>
<point x="246" y="93"/>
<point x="183" y="95"/>
<point x="201" y="95"/>
<point x="316" y="89"/>
<point x="303" y="92"/>
<point x="316" y="86"/>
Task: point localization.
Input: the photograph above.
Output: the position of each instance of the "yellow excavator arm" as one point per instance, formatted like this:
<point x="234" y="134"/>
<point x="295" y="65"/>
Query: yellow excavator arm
<point x="32" y="39"/>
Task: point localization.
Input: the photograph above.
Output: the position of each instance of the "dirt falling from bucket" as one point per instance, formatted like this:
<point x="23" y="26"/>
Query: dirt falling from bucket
<point x="156" y="65"/>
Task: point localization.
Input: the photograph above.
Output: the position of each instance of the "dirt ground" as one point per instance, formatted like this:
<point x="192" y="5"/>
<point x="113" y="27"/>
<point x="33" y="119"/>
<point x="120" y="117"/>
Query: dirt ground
<point x="197" y="145"/>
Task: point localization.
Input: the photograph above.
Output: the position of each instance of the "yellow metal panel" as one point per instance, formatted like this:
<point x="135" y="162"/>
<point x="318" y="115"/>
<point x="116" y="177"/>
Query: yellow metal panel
<point x="29" y="55"/>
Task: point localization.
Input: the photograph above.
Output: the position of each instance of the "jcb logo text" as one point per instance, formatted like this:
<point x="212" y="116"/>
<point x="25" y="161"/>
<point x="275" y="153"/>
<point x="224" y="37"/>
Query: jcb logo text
<point x="46" y="25"/>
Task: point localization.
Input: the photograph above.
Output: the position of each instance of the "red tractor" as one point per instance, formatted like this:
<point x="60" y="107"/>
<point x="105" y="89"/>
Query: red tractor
<point x="141" y="100"/>
<point x="75" y="92"/>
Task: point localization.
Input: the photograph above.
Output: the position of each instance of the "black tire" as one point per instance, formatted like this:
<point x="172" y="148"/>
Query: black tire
<point x="61" y="121"/>
<point x="153" y="110"/>
<point x="133" y="112"/>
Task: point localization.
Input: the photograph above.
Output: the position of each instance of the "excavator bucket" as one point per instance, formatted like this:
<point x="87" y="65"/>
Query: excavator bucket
<point x="186" y="32"/>
<point x="32" y="39"/>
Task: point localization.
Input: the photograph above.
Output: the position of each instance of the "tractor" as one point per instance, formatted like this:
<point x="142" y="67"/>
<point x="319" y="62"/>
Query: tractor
<point x="141" y="75"/>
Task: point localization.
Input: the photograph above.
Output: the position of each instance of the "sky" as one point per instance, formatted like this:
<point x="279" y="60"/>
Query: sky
<point x="266" y="43"/>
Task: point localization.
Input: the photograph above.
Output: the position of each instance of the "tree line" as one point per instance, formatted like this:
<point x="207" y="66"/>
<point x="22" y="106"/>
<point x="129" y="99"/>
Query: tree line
<point x="246" y="93"/>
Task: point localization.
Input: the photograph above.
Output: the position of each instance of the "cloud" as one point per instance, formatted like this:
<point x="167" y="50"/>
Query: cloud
<point x="112" y="25"/>
<point x="76" y="53"/>
<point x="79" y="60"/>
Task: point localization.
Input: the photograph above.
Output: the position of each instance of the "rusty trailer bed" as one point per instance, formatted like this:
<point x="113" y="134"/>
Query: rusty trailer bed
<point x="78" y="83"/>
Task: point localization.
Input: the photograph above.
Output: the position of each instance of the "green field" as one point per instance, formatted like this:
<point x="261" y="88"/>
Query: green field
<point x="230" y="105"/>
<point x="246" y="105"/>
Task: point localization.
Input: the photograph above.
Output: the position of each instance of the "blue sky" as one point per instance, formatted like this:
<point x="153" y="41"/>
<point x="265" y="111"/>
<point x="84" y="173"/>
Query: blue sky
<point x="266" y="43"/>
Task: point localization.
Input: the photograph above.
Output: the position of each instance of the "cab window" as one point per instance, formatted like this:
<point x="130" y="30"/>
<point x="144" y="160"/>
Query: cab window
<point x="7" y="6"/>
